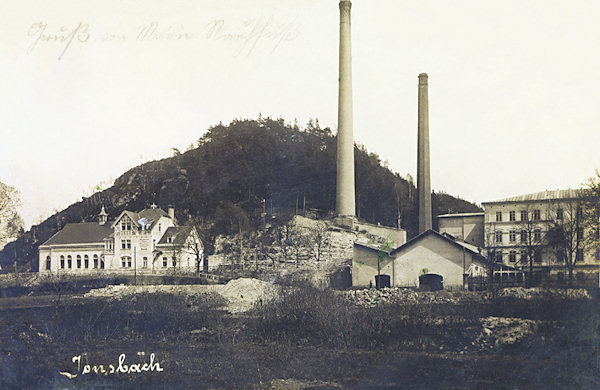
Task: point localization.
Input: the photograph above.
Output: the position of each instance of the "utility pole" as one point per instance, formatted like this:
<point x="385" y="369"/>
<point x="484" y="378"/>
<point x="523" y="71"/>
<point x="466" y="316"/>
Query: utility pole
<point x="464" y="255"/>
<point x="135" y="265"/>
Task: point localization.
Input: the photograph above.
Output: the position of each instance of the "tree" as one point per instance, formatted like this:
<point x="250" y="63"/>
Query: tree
<point x="298" y="240"/>
<point x="235" y="168"/>
<point x="566" y="233"/>
<point x="591" y="216"/>
<point x="318" y="237"/>
<point x="532" y="239"/>
<point x="384" y="252"/>
<point x="195" y="247"/>
<point x="264" y="242"/>
<point x="492" y="248"/>
<point x="200" y="241"/>
<point x="11" y="224"/>
<point x="283" y="236"/>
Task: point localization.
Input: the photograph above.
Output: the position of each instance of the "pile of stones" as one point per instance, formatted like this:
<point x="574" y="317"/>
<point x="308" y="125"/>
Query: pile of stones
<point x="499" y="332"/>
<point x="372" y="296"/>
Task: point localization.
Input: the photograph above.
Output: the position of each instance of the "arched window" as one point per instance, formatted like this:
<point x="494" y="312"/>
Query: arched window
<point x="86" y="261"/>
<point x="62" y="261"/>
<point x="102" y="263"/>
<point x="95" y="261"/>
<point x="69" y="262"/>
<point x="48" y="262"/>
<point x="78" y="261"/>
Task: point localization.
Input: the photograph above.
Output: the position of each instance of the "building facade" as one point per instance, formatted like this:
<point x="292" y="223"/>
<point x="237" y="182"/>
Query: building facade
<point x="130" y="243"/>
<point x="430" y="253"/>
<point x="544" y="234"/>
<point x="468" y="227"/>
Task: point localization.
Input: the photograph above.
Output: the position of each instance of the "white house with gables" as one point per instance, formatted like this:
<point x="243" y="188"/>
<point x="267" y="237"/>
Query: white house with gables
<point x="134" y="241"/>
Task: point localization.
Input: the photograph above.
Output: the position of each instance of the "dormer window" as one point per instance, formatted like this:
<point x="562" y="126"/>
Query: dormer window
<point x="169" y="239"/>
<point x="159" y="227"/>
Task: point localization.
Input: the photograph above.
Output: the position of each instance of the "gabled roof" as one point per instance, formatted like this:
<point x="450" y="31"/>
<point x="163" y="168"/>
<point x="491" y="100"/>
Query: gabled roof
<point x="80" y="233"/>
<point x="178" y="233"/>
<point x="541" y="196"/>
<point x="420" y="237"/>
<point x="152" y="215"/>
<point x="435" y="234"/>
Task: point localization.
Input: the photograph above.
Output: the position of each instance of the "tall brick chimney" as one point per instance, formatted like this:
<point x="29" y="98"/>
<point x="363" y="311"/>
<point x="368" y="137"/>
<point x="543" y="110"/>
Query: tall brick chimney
<point x="423" y="175"/>
<point x="345" y="203"/>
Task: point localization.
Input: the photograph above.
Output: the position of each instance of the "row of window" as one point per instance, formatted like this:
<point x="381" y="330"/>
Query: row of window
<point x="560" y="276"/>
<point x="126" y="226"/>
<point x="512" y="215"/>
<point x="166" y="262"/>
<point x="69" y="262"/>
<point x="537" y="256"/>
<point x="537" y="235"/>
<point x="126" y="244"/>
<point x="512" y="235"/>
<point x="512" y="257"/>
<point x="126" y="262"/>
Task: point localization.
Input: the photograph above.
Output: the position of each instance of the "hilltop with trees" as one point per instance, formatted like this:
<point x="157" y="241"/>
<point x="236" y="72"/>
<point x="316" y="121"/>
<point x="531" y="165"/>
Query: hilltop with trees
<point x="240" y="176"/>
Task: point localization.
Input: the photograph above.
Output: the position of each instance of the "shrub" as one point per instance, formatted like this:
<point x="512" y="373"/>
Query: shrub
<point x="136" y="316"/>
<point x="326" y="317"/>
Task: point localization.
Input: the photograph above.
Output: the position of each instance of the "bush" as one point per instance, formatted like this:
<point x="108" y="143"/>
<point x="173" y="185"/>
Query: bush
<point x="326" y="317"/>
<point x="136" y="316"/>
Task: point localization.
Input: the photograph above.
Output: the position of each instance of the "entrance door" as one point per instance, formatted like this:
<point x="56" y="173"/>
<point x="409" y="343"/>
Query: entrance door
<point x="431" y="282"/>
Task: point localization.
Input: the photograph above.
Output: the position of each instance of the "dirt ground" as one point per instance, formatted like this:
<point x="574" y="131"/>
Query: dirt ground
<point x="254" y="334"/>
<point x="239" y="295"/>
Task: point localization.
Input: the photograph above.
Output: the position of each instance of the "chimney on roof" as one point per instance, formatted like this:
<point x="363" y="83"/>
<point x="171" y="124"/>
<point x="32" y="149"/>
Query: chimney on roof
<point x="172" y="213"/>
<point x="102" y="217"/>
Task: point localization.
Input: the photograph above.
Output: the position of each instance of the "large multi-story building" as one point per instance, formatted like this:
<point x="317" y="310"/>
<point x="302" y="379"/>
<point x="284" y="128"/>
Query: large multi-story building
<point x="146" y="241"/>
<point x="545" y="234"/>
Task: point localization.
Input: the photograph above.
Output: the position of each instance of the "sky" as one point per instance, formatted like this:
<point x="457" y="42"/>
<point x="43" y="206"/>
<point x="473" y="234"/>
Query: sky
<point x="93" y="88"/>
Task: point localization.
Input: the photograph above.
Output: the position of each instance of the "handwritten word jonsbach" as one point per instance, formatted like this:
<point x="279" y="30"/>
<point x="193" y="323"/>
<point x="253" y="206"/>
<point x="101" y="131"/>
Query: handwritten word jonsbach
<point x="120" y="368"/>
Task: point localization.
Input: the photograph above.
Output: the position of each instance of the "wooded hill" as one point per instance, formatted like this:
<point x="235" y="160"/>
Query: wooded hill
<point x="238" y="172"/>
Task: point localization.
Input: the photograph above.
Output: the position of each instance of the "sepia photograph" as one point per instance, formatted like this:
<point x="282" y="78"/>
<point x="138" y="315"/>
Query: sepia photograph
<point x="300" y="194"/>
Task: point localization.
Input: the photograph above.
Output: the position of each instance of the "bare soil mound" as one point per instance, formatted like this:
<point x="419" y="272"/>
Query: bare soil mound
<point x="244" y="293"/>
<point x="241" y="294"/>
